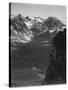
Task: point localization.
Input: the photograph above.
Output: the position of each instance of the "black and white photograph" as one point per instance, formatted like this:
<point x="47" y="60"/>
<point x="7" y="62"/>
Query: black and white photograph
<point x="37" y="44"/>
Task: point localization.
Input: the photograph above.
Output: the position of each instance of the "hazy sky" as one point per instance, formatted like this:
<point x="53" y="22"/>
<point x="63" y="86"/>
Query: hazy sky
<point x="39" y="10"/>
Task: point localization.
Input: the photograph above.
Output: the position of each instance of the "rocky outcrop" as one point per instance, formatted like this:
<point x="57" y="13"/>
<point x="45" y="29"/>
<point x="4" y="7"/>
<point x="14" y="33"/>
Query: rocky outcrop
<point x="25" y="29"/>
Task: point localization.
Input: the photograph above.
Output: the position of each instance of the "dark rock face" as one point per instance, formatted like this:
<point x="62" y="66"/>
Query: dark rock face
<point x="56" y="72"/>
<point x="52" y="22"/>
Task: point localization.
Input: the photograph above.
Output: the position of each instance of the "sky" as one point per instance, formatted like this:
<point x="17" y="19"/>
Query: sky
<point x="37" y="10"/>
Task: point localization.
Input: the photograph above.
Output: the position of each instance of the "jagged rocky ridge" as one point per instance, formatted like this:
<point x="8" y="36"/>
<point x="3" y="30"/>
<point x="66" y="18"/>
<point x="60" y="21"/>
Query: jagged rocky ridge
<point x="25" y="29"/>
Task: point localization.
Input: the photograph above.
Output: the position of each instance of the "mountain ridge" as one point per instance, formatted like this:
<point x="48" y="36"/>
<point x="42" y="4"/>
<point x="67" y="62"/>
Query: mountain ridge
<point x="26" y="28"/>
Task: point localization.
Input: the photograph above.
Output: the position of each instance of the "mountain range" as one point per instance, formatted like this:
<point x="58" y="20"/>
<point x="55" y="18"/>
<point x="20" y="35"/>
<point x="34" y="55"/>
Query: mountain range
<point x="26" y="29"/>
